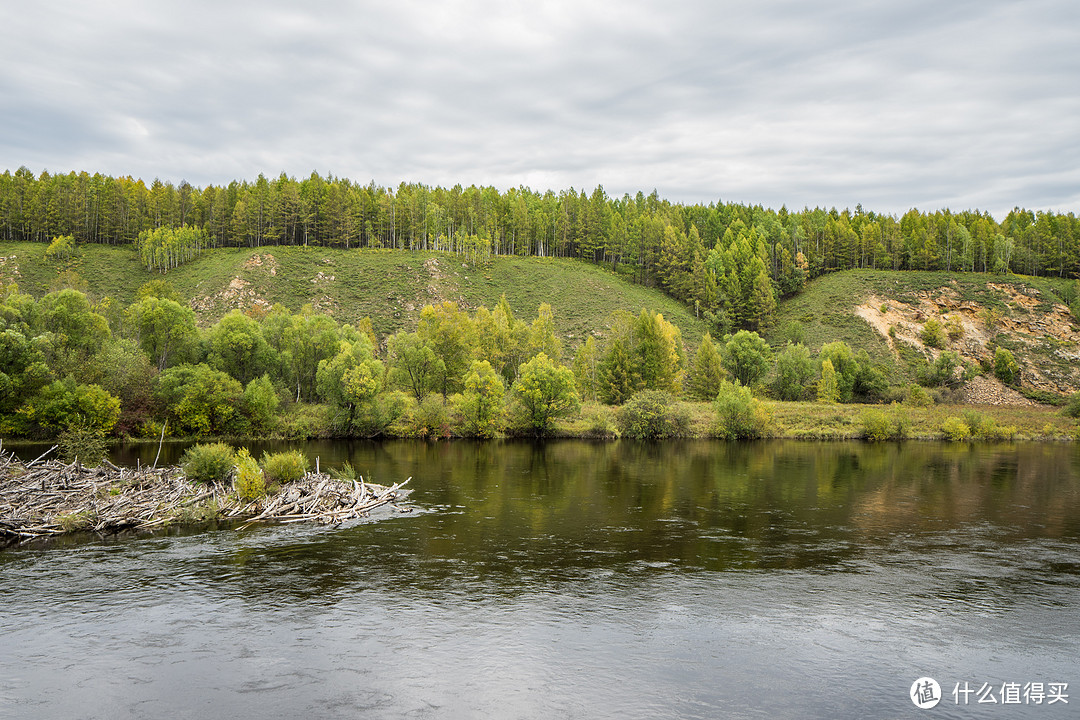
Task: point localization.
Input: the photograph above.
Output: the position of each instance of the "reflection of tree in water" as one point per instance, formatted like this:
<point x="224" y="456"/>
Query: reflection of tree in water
<point x="517" y="516"/>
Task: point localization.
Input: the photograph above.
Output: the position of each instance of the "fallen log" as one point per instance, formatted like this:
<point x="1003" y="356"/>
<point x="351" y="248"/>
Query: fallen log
<point x="46" y="498"/>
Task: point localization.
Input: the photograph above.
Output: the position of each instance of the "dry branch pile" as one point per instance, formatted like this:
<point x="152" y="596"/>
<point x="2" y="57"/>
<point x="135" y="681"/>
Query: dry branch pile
<point x="39" y="499"/>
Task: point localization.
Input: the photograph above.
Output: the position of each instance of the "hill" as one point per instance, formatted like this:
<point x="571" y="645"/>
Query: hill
<point x="883" y="312"/>
<point x="389" y="286"/>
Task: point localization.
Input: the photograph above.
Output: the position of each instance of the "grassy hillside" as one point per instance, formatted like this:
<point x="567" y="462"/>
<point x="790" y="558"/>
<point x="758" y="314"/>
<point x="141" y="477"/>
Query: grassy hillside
<point x="880" y="312"/>
<point x="1023" y="314"/>
<point x="391" y="287"/>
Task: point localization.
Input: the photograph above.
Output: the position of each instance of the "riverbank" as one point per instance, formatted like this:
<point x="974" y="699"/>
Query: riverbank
<point x="45" y="499"/>
<point x="850" y="421"/>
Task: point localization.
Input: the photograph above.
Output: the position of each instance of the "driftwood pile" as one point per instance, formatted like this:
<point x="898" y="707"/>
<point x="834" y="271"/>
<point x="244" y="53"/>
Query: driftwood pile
<point x="41" y="499"/>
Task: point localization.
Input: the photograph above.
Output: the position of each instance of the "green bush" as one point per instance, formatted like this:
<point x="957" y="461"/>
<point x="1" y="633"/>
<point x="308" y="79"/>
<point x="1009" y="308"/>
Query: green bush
<point x="61" y="248"/>
<point x="877" y="425"/>
<point x="918" y="397"/>
<point x="739" y="415"/>
<point x="1006" y="368"/>
<point x="955" y="429"/>
<point x="429" y="418"/>
<point x="598" y="424"/>
<point x="933" y="334"/>
<point x="794" y="373"/>
<point x="209" y="463"/>
<point x="249" y="481"/>
<point x="942" y="372"/>
<point x="954" y="327"/>
<point x="284" y="467"/>
<point x="1072" y="406"/>
<point x="651" y="415"/>
<point x="87" y="444"/>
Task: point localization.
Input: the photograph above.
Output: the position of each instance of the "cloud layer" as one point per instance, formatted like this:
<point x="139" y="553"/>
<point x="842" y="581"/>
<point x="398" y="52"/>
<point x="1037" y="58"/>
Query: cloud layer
<point x="892" y="105"/>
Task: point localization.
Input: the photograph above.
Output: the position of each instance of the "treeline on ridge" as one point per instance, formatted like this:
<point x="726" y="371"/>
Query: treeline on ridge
<point x="729" y="260"/>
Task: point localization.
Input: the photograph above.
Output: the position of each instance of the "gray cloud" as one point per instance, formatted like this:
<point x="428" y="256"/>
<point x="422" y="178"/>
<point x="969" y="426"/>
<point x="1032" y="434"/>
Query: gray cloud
<point x="922" y="104"/>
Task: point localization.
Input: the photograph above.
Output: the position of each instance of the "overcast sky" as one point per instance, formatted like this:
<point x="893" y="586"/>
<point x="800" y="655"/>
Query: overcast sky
<point x="894" y="105"/>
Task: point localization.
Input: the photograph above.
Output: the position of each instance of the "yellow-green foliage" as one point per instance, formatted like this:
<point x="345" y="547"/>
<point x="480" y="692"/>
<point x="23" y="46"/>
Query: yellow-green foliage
<point x="61" y="248"/>
<point x="1006" y="368"/>
<point x="652" y="415"/>
<point x="429" y="417"/>
<point x="954" y="327"/>
<point x="284" y="467"/>
<point x="955" y="429"/>
<point x="984" y="427"/>
<point x="249" y="480"/>
<point x="739" y="415"/>
<point x="877" y="425"/>
<point x="481" y="405"/>
<point x="918" y="397"/>
<point x="933" y="334"/>
<point x="545" y="391"/>
<point x="209" y="463"/>
<point x="828" y="390"/>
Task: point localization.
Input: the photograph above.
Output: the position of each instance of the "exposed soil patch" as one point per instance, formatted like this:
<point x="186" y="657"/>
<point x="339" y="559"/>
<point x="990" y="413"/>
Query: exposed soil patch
<point x="237" y="294"/>
<point x="8" y="267"/>
<point x="1044" y="336"/>
<point x="266" y="261"/>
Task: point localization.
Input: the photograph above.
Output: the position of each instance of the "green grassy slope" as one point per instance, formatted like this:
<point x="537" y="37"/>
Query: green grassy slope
<point x="388" y="286"/>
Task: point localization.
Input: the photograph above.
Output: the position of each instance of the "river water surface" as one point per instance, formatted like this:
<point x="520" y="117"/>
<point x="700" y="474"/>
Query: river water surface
<point x="583" y="580"/>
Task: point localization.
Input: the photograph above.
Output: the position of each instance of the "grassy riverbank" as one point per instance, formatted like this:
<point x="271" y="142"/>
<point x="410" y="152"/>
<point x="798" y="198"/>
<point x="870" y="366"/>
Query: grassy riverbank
<point x="819" y="421"/>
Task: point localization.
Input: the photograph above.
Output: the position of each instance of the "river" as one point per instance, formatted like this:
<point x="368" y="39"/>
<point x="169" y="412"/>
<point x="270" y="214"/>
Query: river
<point x="583" y="580"/>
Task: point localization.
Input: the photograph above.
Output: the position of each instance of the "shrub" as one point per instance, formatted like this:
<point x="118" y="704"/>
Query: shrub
<point x="917" y="397"/>
<point x="61" y="248"/>
<point x="85" y="443"/>
<point x="984" y="427"/>
<point x="954" y="327"/>
<point x="955" y="429"/>
<point x="598" y="424"/>
<point x="209" y="463"/>
<point x="877" y="425"/>
<point x="481" y="405"/>
<point x="651" y="415"/>
<point x="544" y="391"/>
<point x="260" y="403"/>
<point x="429" y="418"/>
<point x="1072" y="406"/>
<point x="249" y="481"/>
<point x="827" y="391"/>
<point x="942" y="372"/>
<point x="740" y="416"/>
<point x="794" y="373"/>
<point x="1006" y="368"/>
<point x="933" y="334"/>
<point x="976" y="421"/>
<point x="284" y="467"/>
<point x="305" y="421"/>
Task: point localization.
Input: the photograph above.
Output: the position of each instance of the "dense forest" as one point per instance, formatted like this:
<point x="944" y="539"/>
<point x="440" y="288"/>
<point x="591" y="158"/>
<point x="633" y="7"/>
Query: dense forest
<point x="730" y="260"/>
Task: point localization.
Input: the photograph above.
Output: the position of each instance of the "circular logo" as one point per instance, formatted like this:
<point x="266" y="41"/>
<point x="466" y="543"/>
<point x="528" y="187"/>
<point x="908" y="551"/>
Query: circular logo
<point x="925" y="693"/>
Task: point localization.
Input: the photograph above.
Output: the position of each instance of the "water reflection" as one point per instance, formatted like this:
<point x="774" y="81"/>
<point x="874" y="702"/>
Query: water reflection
<point x="691" y="579"/>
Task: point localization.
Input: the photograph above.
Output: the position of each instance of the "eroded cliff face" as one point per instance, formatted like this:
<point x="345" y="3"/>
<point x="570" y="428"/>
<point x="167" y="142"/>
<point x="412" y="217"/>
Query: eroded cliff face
<point x="1042" y="334"/>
